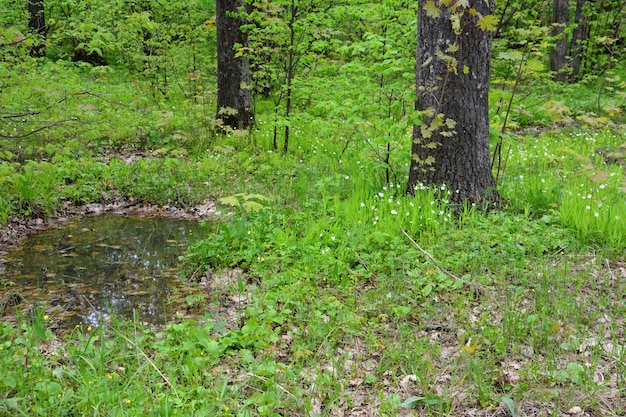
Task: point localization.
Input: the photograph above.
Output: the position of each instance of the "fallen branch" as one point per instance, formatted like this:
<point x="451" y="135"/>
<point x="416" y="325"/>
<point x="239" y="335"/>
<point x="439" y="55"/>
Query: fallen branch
<point x="441" y="268"/>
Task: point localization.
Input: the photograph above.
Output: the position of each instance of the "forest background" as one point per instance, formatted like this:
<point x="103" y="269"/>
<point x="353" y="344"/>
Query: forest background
<point x="344" y="296"/>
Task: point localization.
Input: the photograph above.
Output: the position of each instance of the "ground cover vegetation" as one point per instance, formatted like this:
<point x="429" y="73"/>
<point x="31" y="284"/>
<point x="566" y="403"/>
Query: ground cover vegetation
<point x="322" y="289"/>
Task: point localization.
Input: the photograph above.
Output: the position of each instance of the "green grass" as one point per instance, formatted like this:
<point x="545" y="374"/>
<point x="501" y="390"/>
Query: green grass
<point x="318" y="303"/>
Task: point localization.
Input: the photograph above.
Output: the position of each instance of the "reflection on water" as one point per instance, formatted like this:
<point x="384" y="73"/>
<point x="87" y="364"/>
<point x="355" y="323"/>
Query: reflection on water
<point x="88" y="269"/>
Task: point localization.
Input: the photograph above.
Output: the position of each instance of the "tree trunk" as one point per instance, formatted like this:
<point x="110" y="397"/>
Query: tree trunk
<point x="578" y="37"/>
<point x="37" y="24"/>
<point x="451" y="146"/>
<point x="290" y="70"/>
<point x="558" y="54"/>
<point x="234" y="100"/>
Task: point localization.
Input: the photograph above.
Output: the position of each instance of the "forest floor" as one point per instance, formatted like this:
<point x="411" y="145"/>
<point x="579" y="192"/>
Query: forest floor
<point x="537" y="330"/>
<point x="310" y="300"/>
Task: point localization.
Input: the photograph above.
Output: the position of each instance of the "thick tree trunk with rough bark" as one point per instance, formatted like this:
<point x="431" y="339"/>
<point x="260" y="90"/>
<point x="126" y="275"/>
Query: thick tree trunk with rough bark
<point x="558" y="54"/>
<point x="451" y="147"/>
<point x="37" y="24"/>
<point x="234" y="101"/>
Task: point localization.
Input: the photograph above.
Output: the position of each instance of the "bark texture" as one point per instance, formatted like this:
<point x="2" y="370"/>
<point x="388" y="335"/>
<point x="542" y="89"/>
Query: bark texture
<point x="234" y="100"/>
<point x="451" y="147"/>
<point x="558" y="54"/>
<point x="37" y="24"/>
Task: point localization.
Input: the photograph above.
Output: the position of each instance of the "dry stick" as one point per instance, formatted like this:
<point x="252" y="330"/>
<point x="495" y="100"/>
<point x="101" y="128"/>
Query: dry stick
<point x="163" y="377"/>
<point x="283" y="389"/>
<point x="441" y="268"/>
<point x="608" y="267"/>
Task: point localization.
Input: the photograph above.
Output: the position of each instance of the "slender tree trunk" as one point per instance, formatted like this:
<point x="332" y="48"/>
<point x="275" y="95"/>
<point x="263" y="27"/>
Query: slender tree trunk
<point x="37" y="24"/>
<point x="578" y="38"/>
<point x="558" y="54"/>
<point x="234" y="99"/>
<point x="451" y="146"/>
<point x="290" y="70"/>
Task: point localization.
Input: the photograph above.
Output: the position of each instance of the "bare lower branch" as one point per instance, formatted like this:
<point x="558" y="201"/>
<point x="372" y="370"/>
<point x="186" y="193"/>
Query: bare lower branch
<point x="71" y="119"/>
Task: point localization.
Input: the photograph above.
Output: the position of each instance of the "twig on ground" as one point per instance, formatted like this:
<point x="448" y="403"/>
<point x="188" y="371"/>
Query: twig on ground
<point x="441" y="268"/>
<point x="608" y="267"/>
<point x="283" y="389"/>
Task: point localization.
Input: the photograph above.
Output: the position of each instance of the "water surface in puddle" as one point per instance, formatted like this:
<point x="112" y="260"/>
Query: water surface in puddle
<point x="86" y="270"/>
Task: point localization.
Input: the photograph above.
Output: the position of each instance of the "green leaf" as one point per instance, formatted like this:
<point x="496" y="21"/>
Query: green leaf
<point x="414" y="400"/>
<point x="427" y="290"/>
<point x="252" y="206"/>
<point x="259" y="197"/>
<point x="510" y="405"/>
<point x="432" y="10"/>
<point x="230" y="201"/>
<point x="426" y="132"/>
<point x="213" y="347"/>
<point x="488" y="22"/>
<point x="455" y="19"/>
<point x="54" y="388"/>
<point x="10" y="382"/>
<point x="453" y="48"/>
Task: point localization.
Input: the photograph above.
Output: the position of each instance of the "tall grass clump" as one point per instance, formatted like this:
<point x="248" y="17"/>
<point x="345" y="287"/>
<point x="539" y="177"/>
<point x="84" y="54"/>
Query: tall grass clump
<point x="596" y="213"/>
<point x="565" y="180"/>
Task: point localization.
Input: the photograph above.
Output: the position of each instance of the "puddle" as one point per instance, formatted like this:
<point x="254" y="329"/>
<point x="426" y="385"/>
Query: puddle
<point x="86" y="270"/>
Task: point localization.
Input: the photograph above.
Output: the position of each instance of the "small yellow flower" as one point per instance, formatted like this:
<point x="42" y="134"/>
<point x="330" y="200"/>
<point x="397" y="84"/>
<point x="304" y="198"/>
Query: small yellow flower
<point x="128" y="401"/>
<point x="46" y="317"/>
<point x="262" y="259"/>
<point x="89" y="328"/>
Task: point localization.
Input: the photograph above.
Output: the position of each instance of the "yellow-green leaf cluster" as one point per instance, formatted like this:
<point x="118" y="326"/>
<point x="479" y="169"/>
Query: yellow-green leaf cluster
<point x="431" y="9"/>
<point x="250" y="202"/>
<point x="488" y="22"/>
